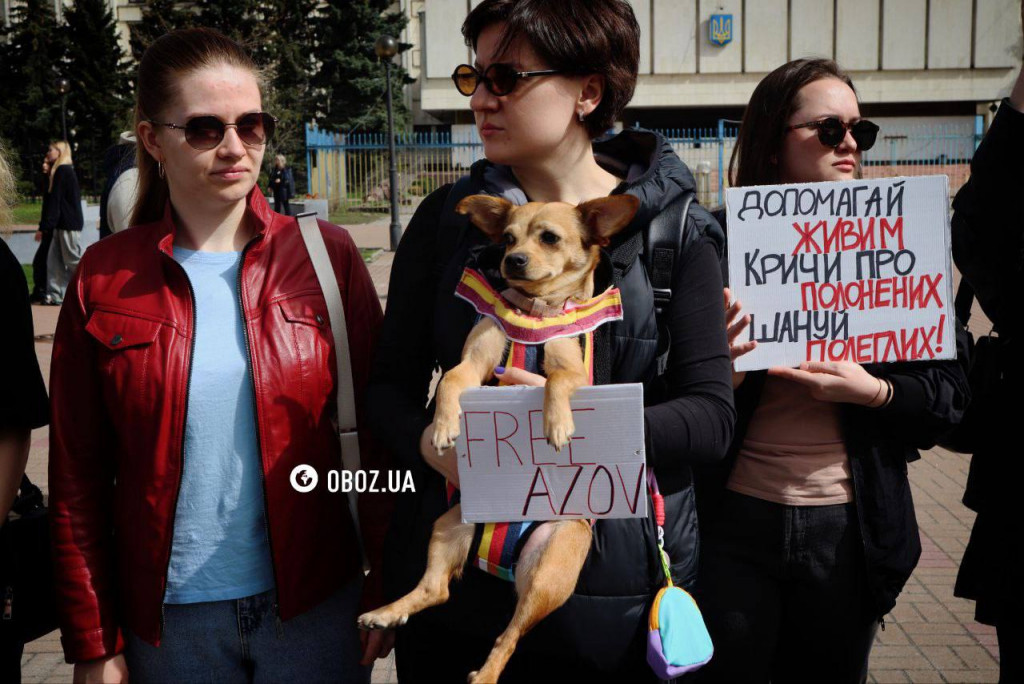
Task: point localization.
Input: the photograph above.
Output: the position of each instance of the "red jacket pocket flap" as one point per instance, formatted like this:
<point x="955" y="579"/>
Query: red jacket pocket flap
<point x="116" y="330"/>
<point x="307" y="309"/>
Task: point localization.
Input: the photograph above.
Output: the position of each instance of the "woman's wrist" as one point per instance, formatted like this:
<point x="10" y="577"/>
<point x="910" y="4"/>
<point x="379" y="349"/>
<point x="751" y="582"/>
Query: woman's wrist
<point x="883" y="397"/>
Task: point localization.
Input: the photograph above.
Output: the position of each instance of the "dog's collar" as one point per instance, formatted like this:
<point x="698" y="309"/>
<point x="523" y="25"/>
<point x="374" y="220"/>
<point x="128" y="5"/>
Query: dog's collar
<point x="531" y="306"/>
<point x="526" y="327"/>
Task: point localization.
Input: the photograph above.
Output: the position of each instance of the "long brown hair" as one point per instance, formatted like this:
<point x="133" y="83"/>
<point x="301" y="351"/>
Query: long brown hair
<point x="164" y="63"/>
<point x="755" y="159"/>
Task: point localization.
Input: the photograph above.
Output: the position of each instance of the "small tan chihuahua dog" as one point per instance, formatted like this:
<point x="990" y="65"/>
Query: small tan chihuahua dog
<point x="551" y="252"/>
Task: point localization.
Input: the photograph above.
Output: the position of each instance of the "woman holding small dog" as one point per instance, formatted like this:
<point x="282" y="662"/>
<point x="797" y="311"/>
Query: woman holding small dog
<point x="807" y="527"/>
<point x="548" y="79"/>
<point x="193" y="374"/>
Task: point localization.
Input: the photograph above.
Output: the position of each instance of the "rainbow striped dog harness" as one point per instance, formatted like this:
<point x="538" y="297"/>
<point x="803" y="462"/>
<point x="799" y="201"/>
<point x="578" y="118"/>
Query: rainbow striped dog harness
<point x="496" y="546"/>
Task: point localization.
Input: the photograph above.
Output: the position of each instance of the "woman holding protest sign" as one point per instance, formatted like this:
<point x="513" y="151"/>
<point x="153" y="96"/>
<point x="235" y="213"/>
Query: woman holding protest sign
<point x="193" y="379"/>
<point x="548" y="79"/>
<point x="808" y="526"/>
<point x="988" y="227"/>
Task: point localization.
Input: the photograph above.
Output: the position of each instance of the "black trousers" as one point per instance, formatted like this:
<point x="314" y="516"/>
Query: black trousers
<point x="281" y="205"/>
<point x="783" y="593"/>
<point x="39" y="266"/>
<point x="1011" y="651"/>
<point x="10" y="661"/>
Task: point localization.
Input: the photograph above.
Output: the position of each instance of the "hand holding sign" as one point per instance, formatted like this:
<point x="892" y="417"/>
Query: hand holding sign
<point x="837" y="381"/>
<point x="857" y="271"/>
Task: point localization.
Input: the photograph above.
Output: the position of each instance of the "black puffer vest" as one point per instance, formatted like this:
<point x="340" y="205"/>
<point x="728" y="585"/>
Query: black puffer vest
<point x="605" y="620"/>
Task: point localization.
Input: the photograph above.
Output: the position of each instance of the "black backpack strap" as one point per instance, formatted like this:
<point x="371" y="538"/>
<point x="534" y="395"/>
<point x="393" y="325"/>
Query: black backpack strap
<point x="452" y="229"/>
<point x="963" y="302"/>
<point x="664" y="243"/>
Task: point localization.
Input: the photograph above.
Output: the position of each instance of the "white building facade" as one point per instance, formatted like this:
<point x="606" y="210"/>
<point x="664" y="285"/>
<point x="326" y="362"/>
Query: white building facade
<point x="908" y="58"/>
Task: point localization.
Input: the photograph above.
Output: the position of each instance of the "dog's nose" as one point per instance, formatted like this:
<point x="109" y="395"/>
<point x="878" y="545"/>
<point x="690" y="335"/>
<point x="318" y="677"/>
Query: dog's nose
<point x="517" y="261"/>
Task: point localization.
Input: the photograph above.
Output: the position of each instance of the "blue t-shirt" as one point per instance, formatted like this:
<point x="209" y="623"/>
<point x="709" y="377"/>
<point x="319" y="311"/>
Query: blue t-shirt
<point x="220" y="549"/>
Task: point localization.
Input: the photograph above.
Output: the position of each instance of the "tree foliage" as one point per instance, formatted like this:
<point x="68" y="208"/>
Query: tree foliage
<point x="99" y="103"/>
<point x="317" y="62"/>
<point x="31" y="60"/>
<point x="349" y="76"/>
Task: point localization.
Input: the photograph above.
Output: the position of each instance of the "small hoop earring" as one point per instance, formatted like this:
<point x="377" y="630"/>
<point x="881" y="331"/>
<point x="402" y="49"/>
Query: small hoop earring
<point x="580" y="115"/>
<point x="160" y="169"/>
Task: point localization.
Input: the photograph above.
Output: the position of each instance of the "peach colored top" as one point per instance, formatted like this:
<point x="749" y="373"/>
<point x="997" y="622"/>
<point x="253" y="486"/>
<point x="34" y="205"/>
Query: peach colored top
<point x="793" y="453"/>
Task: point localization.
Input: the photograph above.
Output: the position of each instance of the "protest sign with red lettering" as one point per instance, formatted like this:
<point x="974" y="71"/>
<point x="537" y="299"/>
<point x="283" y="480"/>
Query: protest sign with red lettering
<point x="849" y="271"/>
<point x="508" y="472"/>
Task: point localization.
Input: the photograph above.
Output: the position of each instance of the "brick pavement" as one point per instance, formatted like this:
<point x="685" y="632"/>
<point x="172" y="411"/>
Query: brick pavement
<point x="931" y="636"/>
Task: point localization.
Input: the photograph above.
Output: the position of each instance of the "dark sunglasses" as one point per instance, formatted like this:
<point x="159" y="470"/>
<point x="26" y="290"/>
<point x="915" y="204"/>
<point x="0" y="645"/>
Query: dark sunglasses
<point x="499" y="79"/>
<point x="206" y="132"/>
<point x="831" y="132"/>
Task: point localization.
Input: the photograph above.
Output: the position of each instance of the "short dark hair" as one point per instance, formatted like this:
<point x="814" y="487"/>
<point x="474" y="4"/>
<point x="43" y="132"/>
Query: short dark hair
<point x="576" y="36"/>
<point x="767" y="115"/>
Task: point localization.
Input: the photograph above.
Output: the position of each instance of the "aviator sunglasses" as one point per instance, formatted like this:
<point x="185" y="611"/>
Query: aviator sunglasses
<point x="831" y="132"/>
<point x="499" y="79"/>
<point x="207" y="132"/>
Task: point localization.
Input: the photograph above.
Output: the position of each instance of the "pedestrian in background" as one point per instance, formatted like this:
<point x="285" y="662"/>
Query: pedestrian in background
<point x="23" y="404"/>
<point x="807" y="527"/>
<point x="193" y="373"/>
<point x="988" y="235"/>
<point x="121" y="188"/>
<point x="282" y="184"/>
<point x="43" y="237"/>
<point x="62" y="216"/>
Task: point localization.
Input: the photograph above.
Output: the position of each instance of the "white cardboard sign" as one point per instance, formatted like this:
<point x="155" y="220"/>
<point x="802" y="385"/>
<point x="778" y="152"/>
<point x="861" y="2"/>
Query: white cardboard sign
<point x="508" y="472"/>
<point x="848" y="271"/>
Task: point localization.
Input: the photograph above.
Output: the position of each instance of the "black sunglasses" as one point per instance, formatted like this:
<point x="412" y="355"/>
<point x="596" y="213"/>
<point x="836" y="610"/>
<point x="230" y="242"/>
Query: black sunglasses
<point x="499" y="79"/>
<point x="206" y="132"/>
<point x="831" y="132"/>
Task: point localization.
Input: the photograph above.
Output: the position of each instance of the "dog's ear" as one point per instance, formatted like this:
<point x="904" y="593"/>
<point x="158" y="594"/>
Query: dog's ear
<point x="606" y="216"/>
<point x="489" y="214"/>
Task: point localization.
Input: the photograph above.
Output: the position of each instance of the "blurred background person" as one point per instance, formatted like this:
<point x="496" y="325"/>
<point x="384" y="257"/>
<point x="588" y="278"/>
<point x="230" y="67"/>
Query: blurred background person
<point x="121" y="187"/>
<point x="62" y="215"/>
<point x="282" y="184"/>
<point x="988" y="232"/>
<point x="43" y="237"/>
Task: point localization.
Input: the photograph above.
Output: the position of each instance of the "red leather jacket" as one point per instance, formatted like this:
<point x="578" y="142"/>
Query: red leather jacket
<point x="119" y="385"/>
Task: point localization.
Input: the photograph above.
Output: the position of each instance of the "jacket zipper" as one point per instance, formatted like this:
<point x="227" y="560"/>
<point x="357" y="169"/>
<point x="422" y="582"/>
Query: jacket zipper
<point x="255" y="413"/>
<point x="181" y="470"/>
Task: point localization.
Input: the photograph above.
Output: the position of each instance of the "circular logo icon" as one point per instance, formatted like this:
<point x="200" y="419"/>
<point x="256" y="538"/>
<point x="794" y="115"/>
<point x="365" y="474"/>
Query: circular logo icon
<point x="304" y="478"/>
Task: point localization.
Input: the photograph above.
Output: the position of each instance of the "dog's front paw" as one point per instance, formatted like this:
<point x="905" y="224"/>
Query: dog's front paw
<point x="558" y="427"/>
<point x="381" y="619"/>
<point x="446" y="429"/>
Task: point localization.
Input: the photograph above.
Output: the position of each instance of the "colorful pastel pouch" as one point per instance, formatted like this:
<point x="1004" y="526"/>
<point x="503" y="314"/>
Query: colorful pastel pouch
<point x="678" y="642"/>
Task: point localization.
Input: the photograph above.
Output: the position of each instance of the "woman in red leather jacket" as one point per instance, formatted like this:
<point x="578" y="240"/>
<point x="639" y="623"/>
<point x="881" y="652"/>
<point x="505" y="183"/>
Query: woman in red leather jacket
<point x="191" y="377"/>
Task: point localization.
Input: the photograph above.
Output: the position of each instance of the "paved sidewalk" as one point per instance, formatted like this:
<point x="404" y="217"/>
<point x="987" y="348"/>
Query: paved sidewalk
<point x="929" y="637"/>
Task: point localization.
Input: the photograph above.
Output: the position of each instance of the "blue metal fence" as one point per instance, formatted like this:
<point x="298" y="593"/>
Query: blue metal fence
<point x="351" y="170"/>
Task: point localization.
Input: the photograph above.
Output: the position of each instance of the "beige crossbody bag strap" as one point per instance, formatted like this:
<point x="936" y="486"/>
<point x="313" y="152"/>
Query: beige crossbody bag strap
<point x="346" y="393"/>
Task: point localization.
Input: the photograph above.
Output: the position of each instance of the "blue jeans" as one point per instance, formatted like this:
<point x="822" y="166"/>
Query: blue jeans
<point x="243" y="641"/>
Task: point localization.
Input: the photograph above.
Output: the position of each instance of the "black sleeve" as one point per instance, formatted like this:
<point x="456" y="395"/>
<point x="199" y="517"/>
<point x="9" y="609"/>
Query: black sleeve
<point x="695" y="424"/>
<point x="929" y="398"/>
<point x="404" y="361"/>
<point x="52" y="203"/>
<point x="23" y="402"/>
<point x="988" y="222"/>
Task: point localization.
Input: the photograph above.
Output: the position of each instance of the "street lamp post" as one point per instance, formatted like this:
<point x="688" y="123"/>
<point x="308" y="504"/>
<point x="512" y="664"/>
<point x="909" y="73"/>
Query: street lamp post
<point x="386" y="48"/>
<point x="63" y="87"/>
